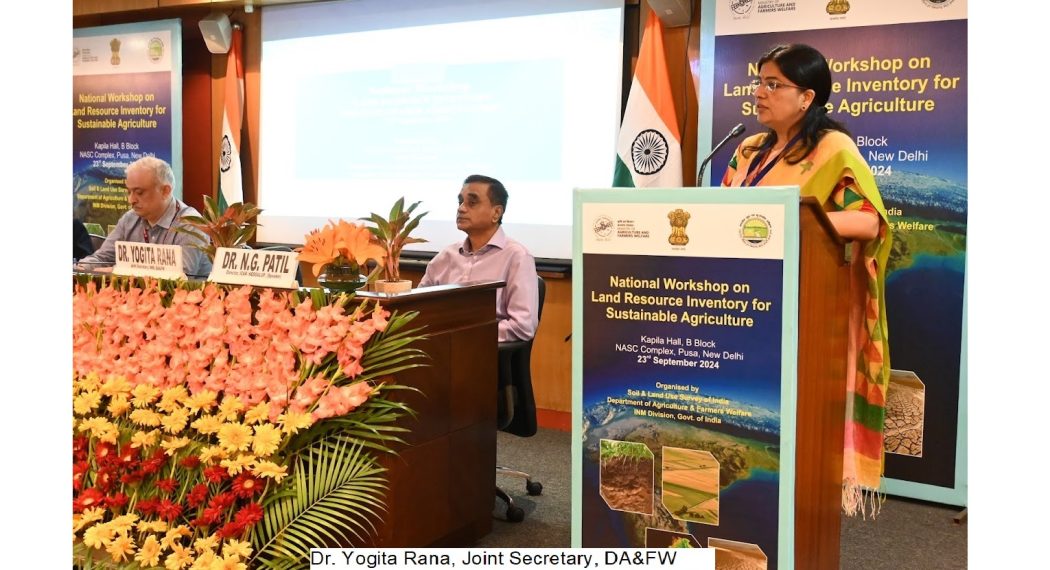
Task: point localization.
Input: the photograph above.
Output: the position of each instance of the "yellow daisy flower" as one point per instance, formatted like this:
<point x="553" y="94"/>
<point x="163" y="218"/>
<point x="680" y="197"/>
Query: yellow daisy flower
<point x="179" y="558"/>
<point x="237" y="464"/>
<point x="207" y="424"/>
<point x="205" y="544"/>
<point x="149" y="552"/>
<point x="235" y="437"/>
<point x="123" y="523"/>
<point x="145" y="417"/>
<point x="204" y="561"/>
<point x="144" y="394"/>
<point x="120" y="547"/>
<point x="230" y="408"/>
<point x="118" y="405"/>
<point x="86" y="402"/>
<point x="269" y="469"/>
<point x="172" y="398"/>
<point x="89" y="382"/>
<point x="203" y="400"/>
<point x="172" y="445"/>
<point x="211" y="453"/>
<point x="229" y="563"/>
<point x="108" y="434"/>
<point x="175" y="422"/>
<point x="292" y="422"/>
<point x="115" y="385"/>
<point x="257" y="413"/>
<point x="151" y="526"/>
<point x="267" y="439"/>
<point x="98" y="535"/>
<point x="171" y="537"/>
<point x="144" y="438"/>
<point x="237" y="548"/>
<point x="90" y="424"/>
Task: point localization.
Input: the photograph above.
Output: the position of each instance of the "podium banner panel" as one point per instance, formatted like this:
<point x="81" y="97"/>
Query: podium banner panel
<point x="685" y="304"/>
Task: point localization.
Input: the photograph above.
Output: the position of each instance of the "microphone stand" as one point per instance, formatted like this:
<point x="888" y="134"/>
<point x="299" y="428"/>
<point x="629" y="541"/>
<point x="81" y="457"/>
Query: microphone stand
<point x="737" y="131"/>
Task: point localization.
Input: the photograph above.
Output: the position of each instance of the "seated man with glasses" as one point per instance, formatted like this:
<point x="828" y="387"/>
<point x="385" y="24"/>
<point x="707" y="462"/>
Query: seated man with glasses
<point x="153" y="217"/>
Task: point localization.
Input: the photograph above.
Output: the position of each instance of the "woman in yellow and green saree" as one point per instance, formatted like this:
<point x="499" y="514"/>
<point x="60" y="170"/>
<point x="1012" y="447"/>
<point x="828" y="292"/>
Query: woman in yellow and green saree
<point x="804" y="146"/>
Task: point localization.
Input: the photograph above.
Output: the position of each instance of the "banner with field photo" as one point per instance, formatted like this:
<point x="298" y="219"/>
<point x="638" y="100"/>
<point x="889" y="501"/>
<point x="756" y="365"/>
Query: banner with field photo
<point x="685" y="373"/>
<point x="127" y="103"/>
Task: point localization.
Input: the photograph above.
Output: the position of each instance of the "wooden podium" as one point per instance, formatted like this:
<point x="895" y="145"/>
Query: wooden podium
<point x="441" y="482"/>
<point x="823" y="319"/>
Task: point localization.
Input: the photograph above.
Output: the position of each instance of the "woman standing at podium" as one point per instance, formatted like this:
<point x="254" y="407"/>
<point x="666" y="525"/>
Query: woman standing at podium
<point x="803" y="146"/>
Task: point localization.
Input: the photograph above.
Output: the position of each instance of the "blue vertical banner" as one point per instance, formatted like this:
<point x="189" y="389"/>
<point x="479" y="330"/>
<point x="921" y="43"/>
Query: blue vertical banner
<point x="684" y="372"/>
<point x="900" y="86"/>
<point x="127" y="103"/>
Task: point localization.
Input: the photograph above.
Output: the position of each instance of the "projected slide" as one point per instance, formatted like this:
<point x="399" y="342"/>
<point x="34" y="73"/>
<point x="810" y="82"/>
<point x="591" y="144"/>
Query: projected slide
<point x="427" y="123"/>
<point x="358" y="109"/>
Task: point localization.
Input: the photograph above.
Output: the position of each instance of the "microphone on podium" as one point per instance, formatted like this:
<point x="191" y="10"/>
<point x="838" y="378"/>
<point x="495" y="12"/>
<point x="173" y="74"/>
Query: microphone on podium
<point x="737" y="131"/>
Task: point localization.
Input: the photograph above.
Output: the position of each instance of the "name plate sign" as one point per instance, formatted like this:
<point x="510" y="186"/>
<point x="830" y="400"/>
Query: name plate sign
<point x="148" y="260"/>
<point x="257" y="267"/>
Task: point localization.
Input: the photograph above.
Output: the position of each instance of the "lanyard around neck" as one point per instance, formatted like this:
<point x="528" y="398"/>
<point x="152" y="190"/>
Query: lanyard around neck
<point x="146" y="226"/>
<point x="753" y="181"/>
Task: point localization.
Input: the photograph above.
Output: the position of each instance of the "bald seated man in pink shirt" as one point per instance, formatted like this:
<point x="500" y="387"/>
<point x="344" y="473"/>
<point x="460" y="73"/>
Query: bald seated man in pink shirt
<point x="487" y="254"/>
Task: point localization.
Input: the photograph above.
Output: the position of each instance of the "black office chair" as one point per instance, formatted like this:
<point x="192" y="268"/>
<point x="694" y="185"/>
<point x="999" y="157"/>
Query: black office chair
<point x="516" y="406"/>
<point x="97" y="241"/>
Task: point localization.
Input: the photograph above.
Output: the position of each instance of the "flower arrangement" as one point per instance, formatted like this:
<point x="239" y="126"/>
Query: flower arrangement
<point x="225" y="427"/>
<point x="233" y="227"/>
<point x="392" y="232"/>
<point x="340" y="243"/>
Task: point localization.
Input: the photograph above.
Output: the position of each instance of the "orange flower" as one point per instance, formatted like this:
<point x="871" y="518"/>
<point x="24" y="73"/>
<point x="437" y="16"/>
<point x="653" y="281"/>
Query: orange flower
<point x="319" y="248"/>
<point x="337" y="240"/>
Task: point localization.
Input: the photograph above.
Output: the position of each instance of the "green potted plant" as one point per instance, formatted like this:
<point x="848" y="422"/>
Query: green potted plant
<point x="233" y="227"/>
<point x="393" y="234"/>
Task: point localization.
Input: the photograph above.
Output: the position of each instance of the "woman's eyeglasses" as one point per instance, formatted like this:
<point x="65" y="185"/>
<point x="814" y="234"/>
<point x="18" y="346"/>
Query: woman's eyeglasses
<point x="771" y="85"/>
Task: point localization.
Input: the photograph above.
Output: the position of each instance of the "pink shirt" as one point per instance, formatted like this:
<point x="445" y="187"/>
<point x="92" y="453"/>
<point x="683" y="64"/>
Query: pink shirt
<point x="501" y="259"/>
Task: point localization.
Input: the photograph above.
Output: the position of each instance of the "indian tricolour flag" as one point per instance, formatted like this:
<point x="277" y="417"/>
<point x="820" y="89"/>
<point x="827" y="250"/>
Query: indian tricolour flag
<point x="649" y="149"/>
<point x="230" y="189"/>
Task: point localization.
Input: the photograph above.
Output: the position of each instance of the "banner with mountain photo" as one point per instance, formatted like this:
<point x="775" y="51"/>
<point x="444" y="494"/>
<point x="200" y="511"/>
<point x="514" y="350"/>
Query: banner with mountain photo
<point x="899" y="72"/>
<point x="127" y="103"/>
<point x="685" y="387"/>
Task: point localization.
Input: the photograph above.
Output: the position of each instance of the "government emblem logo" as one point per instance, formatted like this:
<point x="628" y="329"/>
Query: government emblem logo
<point x="938" y="4"/>
<point x="837" y="7"/>
<point x="755" y="230"/>
<point x="679" y="219"/>
<point x="114" y="48"/>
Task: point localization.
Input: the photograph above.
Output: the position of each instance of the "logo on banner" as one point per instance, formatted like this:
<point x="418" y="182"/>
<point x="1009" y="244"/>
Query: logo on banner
<point x="603" y="227"/>
<point x="755" y="230"/>
<point x="156" y="49"/>
<point x="679" y="219"/>
<point x="741" y="7"/>
<point x="649" y="152"/>
<point x="938" y="4"/>
<point x="837" y="7"/>
<point x="114" y="48"/>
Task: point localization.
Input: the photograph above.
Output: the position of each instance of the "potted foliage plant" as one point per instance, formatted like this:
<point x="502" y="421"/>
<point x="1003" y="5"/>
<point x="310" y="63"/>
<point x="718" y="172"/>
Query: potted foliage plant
<point x="393" y="234"/>
<point x="233" y="227"/>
